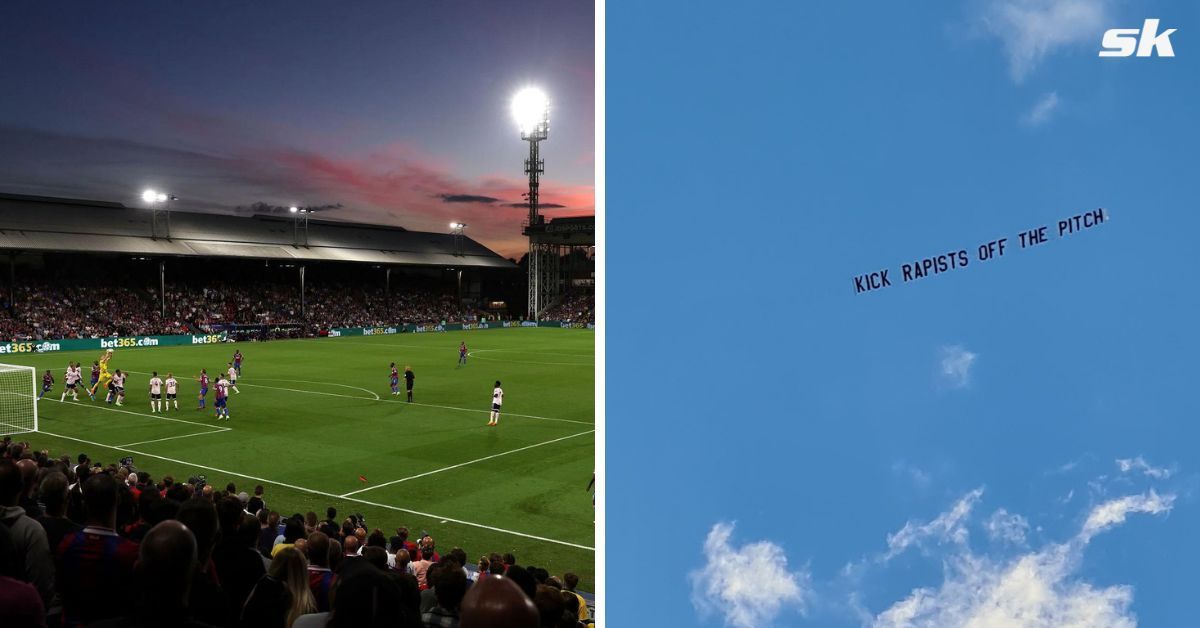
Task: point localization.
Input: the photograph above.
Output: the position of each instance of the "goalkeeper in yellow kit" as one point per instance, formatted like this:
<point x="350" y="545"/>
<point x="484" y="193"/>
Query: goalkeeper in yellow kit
<point x="105" y="376"/>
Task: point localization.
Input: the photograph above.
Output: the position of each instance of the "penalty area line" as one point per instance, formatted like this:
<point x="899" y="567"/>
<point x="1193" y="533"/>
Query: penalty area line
<point x="463" y="464"/>
<point x="159" y="440"/>
<point x="328" y="495"/>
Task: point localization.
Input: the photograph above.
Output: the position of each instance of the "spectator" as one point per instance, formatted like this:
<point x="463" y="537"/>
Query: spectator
<point x="402" y="563"/>
<point x="570" y="581"/>
<point x="238" y="564"/>
<point x="420" y="569"/>
<point x="335" y="555"/>
<point x="552" y="609"/>
<point x="28" y="500"/>
<point x="55" y="522"/>
<point x="376" y="556"/>
<point x="523" y="578"/>
<point x="207" y="601"/>
<point x="282" y="595"/>
<point x="165" y="570"/>
<point x="270" y="529"/>
<point x="293" y="530"/>
<point x="350" y="548"/>
<point x="95" y="565"/>
<point x="497" y="603"/>
<point x="330" y="526"/>
<point x="256" y="503"/>
<point x="320" y="577"/>
<point x="368" y="598"/>
<point x="449" y="586"/>
<point x="19" y="600"/>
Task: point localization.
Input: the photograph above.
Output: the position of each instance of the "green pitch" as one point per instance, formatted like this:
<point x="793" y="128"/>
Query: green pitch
<point x="314" y="415"/>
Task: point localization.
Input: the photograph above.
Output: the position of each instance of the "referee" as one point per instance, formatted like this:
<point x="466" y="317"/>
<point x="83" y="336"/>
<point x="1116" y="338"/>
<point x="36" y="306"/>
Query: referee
<point x="408" y="381"/>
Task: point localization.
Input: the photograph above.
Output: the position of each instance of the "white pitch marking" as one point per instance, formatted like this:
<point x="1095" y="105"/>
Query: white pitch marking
<point x="158" y="440"/>
<point x="329" y="495"/>
<point x="463" y="464"/>
<point x="141" y="414"/>
<point x="378" y="398"/>
<point x="473" y="354"/>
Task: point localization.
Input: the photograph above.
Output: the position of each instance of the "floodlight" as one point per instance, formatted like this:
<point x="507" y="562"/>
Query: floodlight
<point x="150" y="196"/>
<point x="293" y="209"/>
<point x="530" y="108"/>
<point x="162" y="198"/>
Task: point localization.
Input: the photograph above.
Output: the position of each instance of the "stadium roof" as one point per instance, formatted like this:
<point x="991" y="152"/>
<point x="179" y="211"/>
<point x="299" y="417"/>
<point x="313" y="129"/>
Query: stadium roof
<point x="38" y="223"/>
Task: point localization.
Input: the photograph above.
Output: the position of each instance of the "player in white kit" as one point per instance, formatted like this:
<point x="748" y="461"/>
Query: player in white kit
<point x="497" y="400"/>
<point x="172" y="386"/>
<point x="118" y="382"/>
<point x="232" y="381"/>
<point x="72" y="379"/>
<point x="156" y="386"/>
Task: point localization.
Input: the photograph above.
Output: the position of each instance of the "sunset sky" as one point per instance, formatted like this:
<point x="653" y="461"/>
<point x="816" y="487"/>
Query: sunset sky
<point x="396" y="112"/>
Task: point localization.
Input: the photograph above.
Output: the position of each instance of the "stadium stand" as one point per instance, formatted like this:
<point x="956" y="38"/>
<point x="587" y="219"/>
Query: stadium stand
<point x="52" y="310"/>
<point x="575" y="308"/>
<point x="79" y="268"/>
<point x="132" y="563"/>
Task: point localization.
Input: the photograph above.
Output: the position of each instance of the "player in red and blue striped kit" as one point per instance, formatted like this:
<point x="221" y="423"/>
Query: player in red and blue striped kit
<point x="203" y="379"/>
<point x="395" y="380"/>
<point x="222" y="390"/>
<point x="47" y="383"/>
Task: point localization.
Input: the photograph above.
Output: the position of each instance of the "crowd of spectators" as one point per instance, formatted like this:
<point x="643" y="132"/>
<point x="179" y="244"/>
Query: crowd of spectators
<point x="55" y="310"/>
<point x="574" y="308"/>
<point x="84" y="544"/>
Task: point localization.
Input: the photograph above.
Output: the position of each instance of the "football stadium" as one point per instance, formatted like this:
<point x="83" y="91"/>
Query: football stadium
<point x="264" y="362"/>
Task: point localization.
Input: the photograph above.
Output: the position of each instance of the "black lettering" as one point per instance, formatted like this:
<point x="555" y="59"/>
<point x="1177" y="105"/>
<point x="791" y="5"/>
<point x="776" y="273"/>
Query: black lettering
<point x="926" y="265"/>
<point x="962" y="257"/>
<point x="883" y="275"/>
<point x="942" y="266"/>
<point x="858" y="285"/>
<point x="907" y="271"/>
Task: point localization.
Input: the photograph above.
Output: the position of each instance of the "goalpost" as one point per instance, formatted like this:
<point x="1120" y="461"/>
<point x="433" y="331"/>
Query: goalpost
<point x="18" y="399"/>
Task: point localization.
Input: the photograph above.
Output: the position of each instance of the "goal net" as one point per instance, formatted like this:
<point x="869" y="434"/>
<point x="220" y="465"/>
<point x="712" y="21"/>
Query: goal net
<point x="18" y="399"/>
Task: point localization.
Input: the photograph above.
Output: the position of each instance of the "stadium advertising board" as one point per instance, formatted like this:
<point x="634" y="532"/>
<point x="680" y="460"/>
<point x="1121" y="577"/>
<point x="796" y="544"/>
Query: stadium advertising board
<point x="120" y="342"/>
<point x="338" y="332"/>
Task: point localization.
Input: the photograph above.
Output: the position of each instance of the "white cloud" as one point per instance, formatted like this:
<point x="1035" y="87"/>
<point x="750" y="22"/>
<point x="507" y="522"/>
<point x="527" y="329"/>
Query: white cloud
<point x="750" y="585"/>
<point x="1030" y="30"/>
<point x="948" y="527"/>
<point x="1037" y="589"/>
<point x="1007" y="527"/>
<point x="1139" y="464"/>
<point x="1042" y="110"/>
<point x="919" y="477"/>
<point x="956" y="365"/>
<point x="1113" y="512"/>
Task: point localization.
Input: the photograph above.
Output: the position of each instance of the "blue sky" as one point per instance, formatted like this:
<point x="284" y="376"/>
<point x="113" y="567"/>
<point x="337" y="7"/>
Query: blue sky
<point x="398" y="112"/>
<point x="782" y="149"/>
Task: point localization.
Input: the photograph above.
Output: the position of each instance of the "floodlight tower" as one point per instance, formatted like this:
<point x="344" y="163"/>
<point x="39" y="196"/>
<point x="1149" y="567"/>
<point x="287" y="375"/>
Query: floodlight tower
<point x="157" y="201"/>
<point x="297" y="213"/>
<point x="531" y="109"/>
<point x="457" y="229"/>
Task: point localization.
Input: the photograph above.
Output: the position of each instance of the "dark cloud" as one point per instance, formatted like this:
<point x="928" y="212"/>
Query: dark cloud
<point x="267" y="208"/>
<point x="540" y="205"/>
<point x="466" y="198"/>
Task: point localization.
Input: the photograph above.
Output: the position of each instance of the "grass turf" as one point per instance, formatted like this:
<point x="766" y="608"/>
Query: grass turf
<point x="313" y="415"/>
